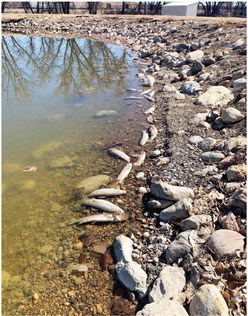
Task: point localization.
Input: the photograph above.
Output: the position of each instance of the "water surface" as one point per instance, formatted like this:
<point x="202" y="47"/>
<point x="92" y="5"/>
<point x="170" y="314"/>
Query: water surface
<point x="52" y="90"/>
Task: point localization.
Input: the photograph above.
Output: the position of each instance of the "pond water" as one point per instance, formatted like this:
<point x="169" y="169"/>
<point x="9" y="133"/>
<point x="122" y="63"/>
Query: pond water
<point x="52" y="89"/>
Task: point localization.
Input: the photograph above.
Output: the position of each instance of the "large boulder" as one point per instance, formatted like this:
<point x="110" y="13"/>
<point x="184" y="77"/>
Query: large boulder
<point x="163" y="190"/>
<point x="225" y="242"/>
<point x="215" y="96"/>
<point x="208" y="302"/>
<point x="165" y="286"/>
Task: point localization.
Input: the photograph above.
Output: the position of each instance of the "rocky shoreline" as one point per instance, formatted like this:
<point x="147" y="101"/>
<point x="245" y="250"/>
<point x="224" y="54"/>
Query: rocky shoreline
<point x="191" y="245"/>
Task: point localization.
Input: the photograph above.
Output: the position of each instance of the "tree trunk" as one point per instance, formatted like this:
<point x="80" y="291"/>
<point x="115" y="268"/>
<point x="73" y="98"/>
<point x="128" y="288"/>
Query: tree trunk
<point x="145" y="8"/>
<point x="123" y="8"/>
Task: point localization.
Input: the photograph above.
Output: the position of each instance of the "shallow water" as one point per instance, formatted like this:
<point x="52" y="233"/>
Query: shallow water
<point x="52" y="89"/>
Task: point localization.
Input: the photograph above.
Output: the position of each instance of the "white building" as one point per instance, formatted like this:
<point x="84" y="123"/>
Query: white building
<point x="183" y="8"/>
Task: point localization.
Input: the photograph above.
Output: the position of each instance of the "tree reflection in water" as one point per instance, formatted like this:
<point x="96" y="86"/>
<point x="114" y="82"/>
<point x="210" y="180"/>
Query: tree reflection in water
<point x="73" y="64"/>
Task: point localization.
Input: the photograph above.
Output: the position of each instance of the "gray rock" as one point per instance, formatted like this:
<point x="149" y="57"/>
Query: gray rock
<point x="238" y="74"/>
<point x="165" y="191"/>
<point x="197" y="118"/>
<point x="238" y="44"/>
<point x="132" y="276"/>
<point x="123" y="247"/>
<point x="235" y="142"/>
<point x="237" y="202"/>
<point x="208" y="302"/>
<point x="92" y="183"/>
<point x="231" y="115"/>
<point x="197" y="67"/>
<point x="207" y="144"/>
<point x="228" y="221"/>
<point x="179" y="210"/>
<point x="144" y="53"/>
<point x="194" y="140"/>
<point x="155" y="153"/>
<point x="236" y="173"/>
<point x="190" y="87"/>
<point x="165" y="286"/>
<point x="218" y="123"/>
<point x="159" y="204"/>
<point x="105" y="113"/>
<point x="209" y="60"/>
<point x="148" y="81"/>
<point x="215" y="96"/>
<point x="196" y="55"/>
<point x="239" y="82"/>
<point x="195" y="222"/>
<point x="212" y="156"/>
<point x="225" y="242"/>
<point x="163" y="308"/>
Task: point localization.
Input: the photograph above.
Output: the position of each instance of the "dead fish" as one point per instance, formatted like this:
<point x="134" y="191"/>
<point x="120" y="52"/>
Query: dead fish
<point x="144" y="139"/>
<point x="102" y="205"/>
<point x="30" y="169"/>
<point x="124" y="172"/>
<point x="150" y="110"/>
<point x="141" y="159"/>
<point x="107" y="192"/>
<point x="133" y="90"/>
<point x="149" y="98"/>
<point x="146" y="92"/>
<point x="153" y="132"/>
<point x="119" y="154"/>
<point x="101" y="218"/>
<point x="133" y="98"/>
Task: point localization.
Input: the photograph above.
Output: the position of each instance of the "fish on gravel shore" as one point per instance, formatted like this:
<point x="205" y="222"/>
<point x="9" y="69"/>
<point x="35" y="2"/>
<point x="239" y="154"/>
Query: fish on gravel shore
<point x="107" y="192"/>
<point x="150" y="110"/>
<point x="149" y="98"/>
<point x="133" y="98"/>
<point x="153" y="131"/>
<point x="146" y="92"/>
<point x="119" y="154"/>
<point x="124" y="172"/>
<point x="141" y="159"/>
<point x="144" y="138"/>
<point x="101" y="218"/>
<point x="30" y="169"/>
<point x="102" y="205"/>
<point x="150" y="119"/>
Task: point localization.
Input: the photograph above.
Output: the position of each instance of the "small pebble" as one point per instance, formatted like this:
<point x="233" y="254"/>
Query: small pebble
<point x="146" y="235"/>
<point x="140" y="175"/>
<point x="143" y="190"/>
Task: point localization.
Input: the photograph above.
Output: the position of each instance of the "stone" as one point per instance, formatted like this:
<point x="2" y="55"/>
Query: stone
<point x="231" y="115"/>
<point x="237" y="202"/>
<point x="165" y="286"/>
<point x="215" y="96"/>
<point x="207" y="144"/>
<point x="208" y="301"/>
<point x="155" y="153"/>
<point x="239" y="83"/>
<point x="225" y="242"/>
<point x="163" y="308"/>
<point x="238" y="44"/>
<point x="238" y="74"/>
<point x="197" y="118"/>
<point x="208" y="60"/>
<point x="190" y="87"/>
<point x="123" y="247"/>
<point x="196" y="55"/>
<point x="92" y="183"/>
<point x="165" y="191"/>
<point x="218" y="123"/>
<point x="212" y="156"/>
<point x="78" y="281"/>
<point x="148" y="81"/>
<point x="161" y="161"/>
<point x="46" y="148"/>
<point x="235" y="142"/>
<point x="195" y="222"/>
<point x="177" y="211"/>
<point x="159" y="204"/>
<point x="197" y="67"/>
<point x="62" y="162"/>
<point x="228" y="221"/>
<point x="105" y="113"/>
<point x="132" y="276"/>
<point x="144" y="53"/>
<point x="236" y="173"/>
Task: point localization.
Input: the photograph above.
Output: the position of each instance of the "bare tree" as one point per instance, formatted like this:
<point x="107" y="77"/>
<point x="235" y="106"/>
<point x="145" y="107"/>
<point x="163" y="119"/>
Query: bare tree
<point x="211" y="8"/>
<point x="3" y="6"/>
<point x="92" y="6"/>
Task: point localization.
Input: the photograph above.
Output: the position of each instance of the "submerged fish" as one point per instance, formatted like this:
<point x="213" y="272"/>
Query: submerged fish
<point x="124" y="172"/>
<point x="133" y="90"/>
<point x="141" y="159"/>
<point x="153" y="132"/>
<point x="133" y="98"/>
<point x="107" y="192"/>
<point x="101" y="218"/>
<point x="119" y="154"/>
<point x="102" y="205"/>
<point x="30" y="169"/>
<point x="144" y="138"/>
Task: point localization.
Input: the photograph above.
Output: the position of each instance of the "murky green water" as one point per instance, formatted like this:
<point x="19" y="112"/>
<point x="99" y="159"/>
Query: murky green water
<point x="52" y="89"/>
